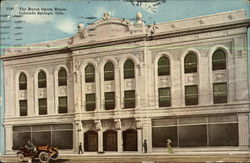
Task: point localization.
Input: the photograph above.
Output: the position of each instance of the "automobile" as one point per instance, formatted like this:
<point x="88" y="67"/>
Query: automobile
<point x="43" y="153"/>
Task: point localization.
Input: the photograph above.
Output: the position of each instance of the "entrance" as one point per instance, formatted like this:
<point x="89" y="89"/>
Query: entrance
<point x="129" y="140"/>
<point x="110" y="140"/>
<point x="91" y="141"/>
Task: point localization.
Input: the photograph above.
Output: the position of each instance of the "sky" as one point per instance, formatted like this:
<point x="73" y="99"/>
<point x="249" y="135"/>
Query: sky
<point x="38" y="28"/>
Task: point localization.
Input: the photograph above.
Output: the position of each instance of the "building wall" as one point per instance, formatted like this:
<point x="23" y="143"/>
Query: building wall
<point x="203" y="43"/>
<point x="2" y="137"/>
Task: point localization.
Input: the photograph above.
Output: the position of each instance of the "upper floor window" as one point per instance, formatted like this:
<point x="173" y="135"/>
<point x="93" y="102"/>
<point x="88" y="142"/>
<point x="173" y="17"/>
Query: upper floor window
<point x="220" y="93"/>
<point x="23" y="106"/>
<point x="109" y="100"/>
<point x="42" y="104"/>
<point x="109" y="73"/>
<point x="219" y="60"/>
<point x="129" y="99"/>
<point x="163" y="66"/>
<point x="89" y="73"/>
<point x="62" y="105"/>
<point x="62" y="77"/>
<point x="164" y="97"/>
<point x="42" y="83"/>
<point x="191" y="95"/>
<point x="90" y="102"/>
<point x="129" y="69"/>
<point x="22" y="81"/>
<point x="190" y="63"/>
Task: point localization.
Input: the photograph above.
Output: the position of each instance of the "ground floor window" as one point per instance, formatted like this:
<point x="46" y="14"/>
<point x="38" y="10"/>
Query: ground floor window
<point x="110" y="140"/>
<point x="91" y="141"/>
<point x="129" y="138"/>
<point x="196" y="131"/>
<point x="58" y="135"/>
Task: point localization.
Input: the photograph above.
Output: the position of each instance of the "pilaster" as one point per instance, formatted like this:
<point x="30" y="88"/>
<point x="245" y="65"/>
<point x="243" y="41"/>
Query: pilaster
<point x="243" y="130"/>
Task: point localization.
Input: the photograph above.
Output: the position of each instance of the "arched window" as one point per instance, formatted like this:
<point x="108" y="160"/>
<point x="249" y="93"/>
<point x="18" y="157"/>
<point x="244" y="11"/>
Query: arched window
<point x="62" y="77"/>
<point x="89" y="73"/>
<point x="219" y="60"/>
<point x="163" y="66"/>
<point x="190" y="63"/>
<point x="22" y="81"/>
<point x="129" y="69"/>
<point x="42" y="83"/>
<point x="109" y="73"/>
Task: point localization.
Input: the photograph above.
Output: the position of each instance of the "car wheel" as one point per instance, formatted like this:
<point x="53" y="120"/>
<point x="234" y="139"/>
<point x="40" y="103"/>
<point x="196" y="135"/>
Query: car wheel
<point x="44" y="157"/>
<point x="20" y="157"/>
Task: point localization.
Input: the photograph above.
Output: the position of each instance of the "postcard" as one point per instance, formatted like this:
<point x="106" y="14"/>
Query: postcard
<point x="145" y="81"/>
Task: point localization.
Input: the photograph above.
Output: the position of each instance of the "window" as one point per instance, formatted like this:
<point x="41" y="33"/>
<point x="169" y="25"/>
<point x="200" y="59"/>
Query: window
<point x="129" y="70"/>
<point x="219" y="60"/>
<point x="23" y="107"/>
<point x="129" y="99"/>
<point x="42" y="80"/>
<point x="164" y="97"/>
<point x="58" y="135"/>
<point x="191" y="95"/>
<point x="22" y="81"/>
<point x="42" y="104"/>
<point x="63" y="105"/>
<point x="62" y="77"/>
<point x="163" y="66"/>
<point x="109" y="73"/>
<point x="196" y="131"/>
<point x="90" y="102"/>
<point x="220" y="93"/>
<point x="190" y="63"/>
<point x="109" y="100"/>
<point x="89" y="73"/>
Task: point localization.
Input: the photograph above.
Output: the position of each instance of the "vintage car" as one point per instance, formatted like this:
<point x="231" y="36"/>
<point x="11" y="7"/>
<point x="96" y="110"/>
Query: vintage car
<point x="44" y="153"/>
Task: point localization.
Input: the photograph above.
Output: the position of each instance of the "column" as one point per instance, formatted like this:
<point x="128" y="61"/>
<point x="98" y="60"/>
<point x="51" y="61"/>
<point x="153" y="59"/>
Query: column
<point x="99" y="95"/>
<point x="9" y="138"/>
<point x="119" y="135"/>
<point x="76" y="133"/>
<point x="146" y="133"/>
<point x="100" y="135"/>
<point x="139" y="140"/>
<point x="139" y="135"/>
<point x="100" y="141"/>
<point x="243" y="130"/>
<point x="117" y="90"/>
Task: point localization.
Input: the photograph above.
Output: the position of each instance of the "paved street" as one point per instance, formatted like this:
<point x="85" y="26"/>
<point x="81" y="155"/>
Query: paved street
<point x="143" y="159"/>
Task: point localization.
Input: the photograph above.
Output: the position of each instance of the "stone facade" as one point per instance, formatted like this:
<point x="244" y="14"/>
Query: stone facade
<point x="117" y="41"/>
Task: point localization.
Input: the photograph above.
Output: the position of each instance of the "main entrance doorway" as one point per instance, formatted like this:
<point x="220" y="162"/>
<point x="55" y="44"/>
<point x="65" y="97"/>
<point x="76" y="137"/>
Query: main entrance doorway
<point x="110" y="140"/>
<point x="91" y="141"/>
<point x="129" y="140"/>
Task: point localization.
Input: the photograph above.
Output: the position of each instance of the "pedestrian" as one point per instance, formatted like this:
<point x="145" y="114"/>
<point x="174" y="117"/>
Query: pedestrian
<point x="80" y="149"/>
<point x="145" y="146"/>
<point x="170" y="149"/>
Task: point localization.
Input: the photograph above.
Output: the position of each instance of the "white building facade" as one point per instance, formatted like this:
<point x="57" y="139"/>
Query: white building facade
<point x="115" y="84"/>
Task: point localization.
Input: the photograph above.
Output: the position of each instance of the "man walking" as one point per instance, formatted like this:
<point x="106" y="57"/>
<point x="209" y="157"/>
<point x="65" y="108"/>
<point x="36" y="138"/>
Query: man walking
<point x="145" y="146"/>
<point x="80" y="149"/>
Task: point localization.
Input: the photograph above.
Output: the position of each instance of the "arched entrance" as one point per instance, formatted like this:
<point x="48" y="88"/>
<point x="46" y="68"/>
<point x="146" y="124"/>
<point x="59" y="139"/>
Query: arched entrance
<point x="91" y="141"/>
<point x="129" y="140"/>
<point x="110" y="140"/>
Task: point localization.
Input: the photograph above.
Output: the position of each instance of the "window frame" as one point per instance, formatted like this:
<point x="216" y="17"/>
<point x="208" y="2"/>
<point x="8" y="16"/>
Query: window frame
<point x="191" y="95"/>
<point x="128" y="100"/>
<point x="164" y="67"/>
<point x="109" y="72"/>
<point x="62" y="107"/>
<point x="62" y="80"/>
<point x="161" y="97"/>
<point x="22" y="84"/>
<point x="129" y="73"/>
<point x="108" y="102"/>
<point x="225" y="92"/>
<point x="90" y="103"/>
<point x="23" y="107"/>
<point x="42" y="82"/>
<point x="89" y="76"/>
<point x="187" y="65"/>
<point x="222" y="65"/>
<point x="40" y="107"/>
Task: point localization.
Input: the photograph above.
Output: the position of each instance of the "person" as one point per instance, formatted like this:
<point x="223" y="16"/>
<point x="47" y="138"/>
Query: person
<point x="145" y="146"/>
<point x="170" y="149"/>
<point x="30" y="146"/>
<point x="80" y="149"/>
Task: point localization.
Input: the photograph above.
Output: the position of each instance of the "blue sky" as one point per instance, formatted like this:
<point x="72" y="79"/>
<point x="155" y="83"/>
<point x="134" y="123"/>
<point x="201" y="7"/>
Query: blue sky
<point x="44" y="28"/>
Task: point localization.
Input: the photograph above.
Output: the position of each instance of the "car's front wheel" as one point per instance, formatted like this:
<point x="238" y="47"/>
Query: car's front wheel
<point x="20" y="157"/>
<point x="44" y="157"/>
